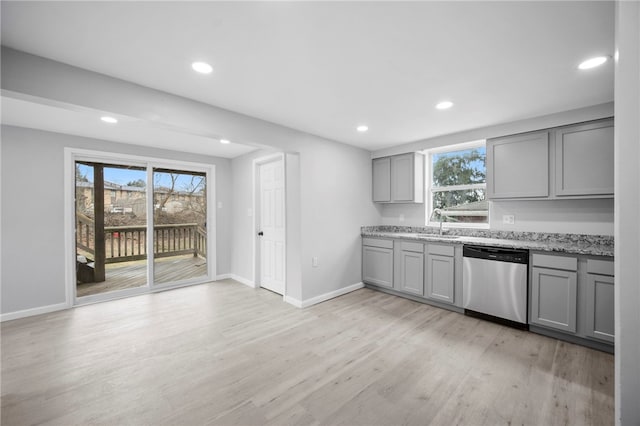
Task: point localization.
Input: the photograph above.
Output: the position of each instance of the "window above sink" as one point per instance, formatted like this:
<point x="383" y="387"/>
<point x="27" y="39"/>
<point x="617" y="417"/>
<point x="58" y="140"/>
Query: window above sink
<point x="455" y="182"/>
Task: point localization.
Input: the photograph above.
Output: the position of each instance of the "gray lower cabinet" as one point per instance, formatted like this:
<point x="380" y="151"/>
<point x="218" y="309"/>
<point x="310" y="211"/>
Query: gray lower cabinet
<point x="377" y="262"/>
<point x="554" y="292"/>
<point x="411" y="279"/>
<point x="600" y="296"/>
<point x="439" y="271"/>
<point x="424" y="270"/>
<point x="600" y="307"/>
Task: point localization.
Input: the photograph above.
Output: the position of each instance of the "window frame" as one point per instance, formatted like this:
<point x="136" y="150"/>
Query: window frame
<point x="430" y="189"/>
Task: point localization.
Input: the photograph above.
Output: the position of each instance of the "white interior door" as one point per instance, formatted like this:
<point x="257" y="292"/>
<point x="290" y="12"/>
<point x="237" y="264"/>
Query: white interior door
<point x="272" y="226"/>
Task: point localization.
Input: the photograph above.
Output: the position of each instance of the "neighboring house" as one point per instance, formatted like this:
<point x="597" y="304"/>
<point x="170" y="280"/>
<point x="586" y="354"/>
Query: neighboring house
<point x="475" y="212"/>
<point x="131" y="199"/>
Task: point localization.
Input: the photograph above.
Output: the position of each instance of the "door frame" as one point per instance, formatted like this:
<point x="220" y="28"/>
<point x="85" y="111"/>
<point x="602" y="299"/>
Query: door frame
<point x="71" y="155"/>
<point x="257" y="162"/>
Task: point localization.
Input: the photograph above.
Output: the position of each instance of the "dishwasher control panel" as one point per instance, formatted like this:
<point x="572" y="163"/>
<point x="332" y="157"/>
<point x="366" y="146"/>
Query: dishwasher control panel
<point x="495" y="253"/>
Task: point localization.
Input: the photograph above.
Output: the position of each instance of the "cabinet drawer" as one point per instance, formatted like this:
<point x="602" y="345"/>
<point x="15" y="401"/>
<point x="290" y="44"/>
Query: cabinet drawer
<point x="600" y="267"/>
<point x="375" y="242"/>
<point x="442" y="250"/>
<point x="555" y="262"/>
<point x="416" y="247"/>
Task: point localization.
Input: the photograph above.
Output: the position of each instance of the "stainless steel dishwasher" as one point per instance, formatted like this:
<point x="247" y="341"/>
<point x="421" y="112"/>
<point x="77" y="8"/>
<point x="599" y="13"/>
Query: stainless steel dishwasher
<point x="494" y="282"/>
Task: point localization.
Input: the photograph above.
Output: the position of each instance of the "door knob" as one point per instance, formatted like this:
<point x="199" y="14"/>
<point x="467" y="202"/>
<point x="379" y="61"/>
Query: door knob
<point x="260" y="234"/>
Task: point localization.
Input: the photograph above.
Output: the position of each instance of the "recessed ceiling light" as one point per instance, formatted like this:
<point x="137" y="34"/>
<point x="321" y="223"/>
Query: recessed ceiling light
<point x="592" y="63"/>
<point x="225" y="141"/>
<point x="109" y="120"/>
<point x="202" y="67"/>
<point x="444" y="105"/>
<point x="362" y="128"/>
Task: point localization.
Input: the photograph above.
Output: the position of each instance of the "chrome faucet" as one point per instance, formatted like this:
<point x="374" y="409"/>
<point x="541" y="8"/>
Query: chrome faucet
<point x="439" y="213"/>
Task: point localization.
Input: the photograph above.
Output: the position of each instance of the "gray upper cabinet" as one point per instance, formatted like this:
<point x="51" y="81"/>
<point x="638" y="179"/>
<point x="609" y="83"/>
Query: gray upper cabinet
<point x="440" y="273"/>
<point x="518" y="166"/>
<point x="377" y="262"/>
<point x="600" y="296"/>
<point x="554" y="292"/>
<point x="584" y="159"/>
<point x="382" y="180"/>
<point x="565" y="162"/>
<point x="399" y="178"/>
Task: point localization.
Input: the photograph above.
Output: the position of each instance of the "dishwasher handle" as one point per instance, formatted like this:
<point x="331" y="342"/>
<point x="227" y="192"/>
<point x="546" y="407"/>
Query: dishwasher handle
<point x="497" y="254"/>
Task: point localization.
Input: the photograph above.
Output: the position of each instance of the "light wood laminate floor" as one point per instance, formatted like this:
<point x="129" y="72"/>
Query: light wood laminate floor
<point x="226" y="354"/>
<point x="124" y="275"/>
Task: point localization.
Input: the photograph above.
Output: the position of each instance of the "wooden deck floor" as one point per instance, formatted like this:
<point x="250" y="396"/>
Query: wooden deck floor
<point x="133" y="274"/>
<point x="225" y="354"/>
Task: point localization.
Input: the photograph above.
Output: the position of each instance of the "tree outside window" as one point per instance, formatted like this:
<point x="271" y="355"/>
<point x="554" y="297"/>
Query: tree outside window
<point x="457" y="185"/>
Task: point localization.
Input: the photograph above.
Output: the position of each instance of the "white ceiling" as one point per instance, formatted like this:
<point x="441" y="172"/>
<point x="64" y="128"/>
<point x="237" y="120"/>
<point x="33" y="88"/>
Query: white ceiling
<point x="325" y="67"/>
<point x="84" y="122"/>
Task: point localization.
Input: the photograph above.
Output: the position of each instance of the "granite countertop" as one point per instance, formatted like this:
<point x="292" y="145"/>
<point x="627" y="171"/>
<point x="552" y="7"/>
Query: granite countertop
<point x="594" y="245"/>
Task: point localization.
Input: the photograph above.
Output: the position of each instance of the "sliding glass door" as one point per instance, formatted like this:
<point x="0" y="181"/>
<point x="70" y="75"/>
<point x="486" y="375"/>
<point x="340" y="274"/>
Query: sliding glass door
<point x="119" y="248"/>
<point x="111" y="223"/>
<point x="180" y="225"/>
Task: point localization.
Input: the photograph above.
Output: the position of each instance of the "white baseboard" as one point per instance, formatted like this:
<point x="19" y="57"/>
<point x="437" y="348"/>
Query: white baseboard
<point x="33" y="311"/>
<point x="323" y="297"/>
<point x="295" y="302"/>
<point x="238" y="278"/>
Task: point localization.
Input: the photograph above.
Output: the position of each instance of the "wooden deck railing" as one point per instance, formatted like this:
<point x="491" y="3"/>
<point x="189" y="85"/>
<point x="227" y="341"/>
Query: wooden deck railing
<point x="125" y="243"/>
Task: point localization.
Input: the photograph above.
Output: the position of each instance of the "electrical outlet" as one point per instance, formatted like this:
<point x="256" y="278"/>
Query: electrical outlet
<point x="508" y="219"/>
<point x="219" y="204"/>
<point x="314" y="262"/>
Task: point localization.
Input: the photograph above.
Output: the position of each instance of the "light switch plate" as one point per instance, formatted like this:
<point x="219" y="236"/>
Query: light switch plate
<point x="401" y="218"/>
<point x="314" y="262"/>
<point x="508" y="219"/>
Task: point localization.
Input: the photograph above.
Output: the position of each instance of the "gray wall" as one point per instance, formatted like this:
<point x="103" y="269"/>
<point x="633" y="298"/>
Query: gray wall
<point x="33" y="208"/>
<point x="335" y="179"/>
<point x="627" y="229"/>
<point x="570" y="216"/>
<point x="335" y="185"/>
<point x="335" y="200"/>
<point x="593" y="217"/>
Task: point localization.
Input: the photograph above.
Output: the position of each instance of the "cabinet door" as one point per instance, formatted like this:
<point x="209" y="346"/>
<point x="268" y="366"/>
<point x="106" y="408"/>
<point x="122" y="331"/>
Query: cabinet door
<point x="584" y="159"/>
<point x="402" y="177"/>
<point x="554" y="296"/>
<point x="518" y="166"/>
<point x="440" y="278"/>
<point x="600" y="307"/>
<point x="377" y="266"/>
<point x="382" y="179"/>
<point x="411" y="273"/>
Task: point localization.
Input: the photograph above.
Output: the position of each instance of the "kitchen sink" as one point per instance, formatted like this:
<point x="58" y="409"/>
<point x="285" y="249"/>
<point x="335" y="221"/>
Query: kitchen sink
<point x="448" y="237"/>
